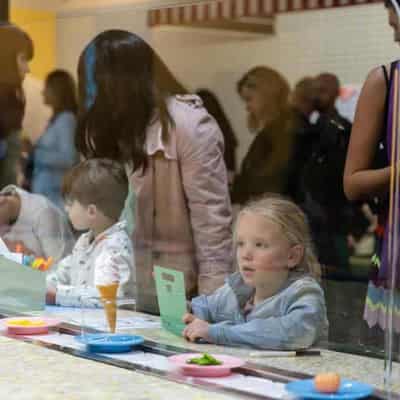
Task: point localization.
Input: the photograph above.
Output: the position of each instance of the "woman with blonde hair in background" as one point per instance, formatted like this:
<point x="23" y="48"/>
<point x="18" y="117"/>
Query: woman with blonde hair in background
<point x="264" y="168"/>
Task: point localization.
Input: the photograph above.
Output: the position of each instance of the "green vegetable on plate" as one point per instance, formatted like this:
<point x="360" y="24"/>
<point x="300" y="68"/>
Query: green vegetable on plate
<point x="205" y="359"/>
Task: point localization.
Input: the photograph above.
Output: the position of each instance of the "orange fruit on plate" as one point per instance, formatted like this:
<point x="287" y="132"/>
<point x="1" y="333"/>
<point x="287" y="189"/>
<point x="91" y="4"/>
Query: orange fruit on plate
<point x="327" y="382"/>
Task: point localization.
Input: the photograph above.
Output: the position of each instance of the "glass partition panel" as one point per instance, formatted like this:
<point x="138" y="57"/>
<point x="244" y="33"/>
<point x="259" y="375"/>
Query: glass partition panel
<point x="207" y="106"/>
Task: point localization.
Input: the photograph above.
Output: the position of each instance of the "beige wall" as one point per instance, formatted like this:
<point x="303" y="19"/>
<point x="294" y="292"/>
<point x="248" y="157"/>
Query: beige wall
<point x="347" y="41"/>
<point x="73" y="33"/>
<point x="75" y="30"/>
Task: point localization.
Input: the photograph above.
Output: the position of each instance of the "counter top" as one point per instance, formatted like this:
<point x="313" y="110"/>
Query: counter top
<point x="365" y="369"/>
<point x="30" y="372"/>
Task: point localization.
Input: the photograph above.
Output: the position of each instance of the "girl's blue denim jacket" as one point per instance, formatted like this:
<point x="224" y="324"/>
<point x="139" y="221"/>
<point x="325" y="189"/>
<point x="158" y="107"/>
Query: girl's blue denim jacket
<point x="294" y="318"/>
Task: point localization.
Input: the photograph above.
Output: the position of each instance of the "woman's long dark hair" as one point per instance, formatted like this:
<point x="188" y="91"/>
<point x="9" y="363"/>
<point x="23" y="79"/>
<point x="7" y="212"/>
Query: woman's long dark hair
<point x="213" y="106"/>
<point x="62" y="87"/>
<point x="388" y="3"/>
<point x="12" y="101"/>
<point x="123" y="85"/>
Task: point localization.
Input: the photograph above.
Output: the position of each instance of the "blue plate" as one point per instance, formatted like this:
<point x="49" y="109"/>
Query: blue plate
<point x="348" y="390"/>
<point x="109" y="343"/>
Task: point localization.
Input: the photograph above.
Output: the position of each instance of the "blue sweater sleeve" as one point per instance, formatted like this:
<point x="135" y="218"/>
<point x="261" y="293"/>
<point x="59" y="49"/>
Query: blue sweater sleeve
<point x="299" y="328"/>
<point x="56" y="148"/>
<point x="201" y="309"/>
<point x="206" y="307"/>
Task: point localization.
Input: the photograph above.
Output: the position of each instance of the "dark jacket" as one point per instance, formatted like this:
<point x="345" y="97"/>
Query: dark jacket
<point x="265" y="167"/>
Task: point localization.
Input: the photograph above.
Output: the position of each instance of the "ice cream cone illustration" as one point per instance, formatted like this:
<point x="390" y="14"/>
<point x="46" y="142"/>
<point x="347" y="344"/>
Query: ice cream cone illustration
<point x="108" y="294"/>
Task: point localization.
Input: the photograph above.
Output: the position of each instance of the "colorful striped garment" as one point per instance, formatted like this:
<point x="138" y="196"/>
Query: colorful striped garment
<point x="386" y="271"/>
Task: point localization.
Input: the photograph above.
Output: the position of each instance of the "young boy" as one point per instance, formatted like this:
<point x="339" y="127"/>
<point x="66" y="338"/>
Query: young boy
<point x="95" y="192"/>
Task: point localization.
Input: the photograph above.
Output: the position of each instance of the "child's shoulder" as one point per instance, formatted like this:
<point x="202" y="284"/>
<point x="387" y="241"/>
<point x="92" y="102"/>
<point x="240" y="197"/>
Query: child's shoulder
<point x="116" y="235"/>
<point x="304" y="285"/>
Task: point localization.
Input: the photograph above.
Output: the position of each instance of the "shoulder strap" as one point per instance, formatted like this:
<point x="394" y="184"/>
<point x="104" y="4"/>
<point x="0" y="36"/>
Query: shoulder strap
<point x="388" y="80"/>
<point x="386" y="75"/>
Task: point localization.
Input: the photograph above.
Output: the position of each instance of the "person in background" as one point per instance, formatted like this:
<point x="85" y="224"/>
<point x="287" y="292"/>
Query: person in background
<point x="32" y="224"/>
<point x="367" y="177"/>
<point x="95" y="192"/>
<point x="302" y="101"/>
<point x="214" y="107"/>
<point x="275" y="300"/>
<point x="332" y="217"/>
<point x="328" y="87"/>
<point x="265" y="166"/>
<point x="16" y="52"/>
<point x="54" y="152"/>
<point x="131" y="111"/>
<point x="25" y="165"/>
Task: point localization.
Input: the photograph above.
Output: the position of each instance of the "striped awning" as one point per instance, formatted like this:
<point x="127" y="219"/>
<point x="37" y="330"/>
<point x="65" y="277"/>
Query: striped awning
<point x="210" y="12"/>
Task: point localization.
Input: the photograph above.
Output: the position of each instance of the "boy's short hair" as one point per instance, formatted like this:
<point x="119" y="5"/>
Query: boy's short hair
<point x="97" y="181"/>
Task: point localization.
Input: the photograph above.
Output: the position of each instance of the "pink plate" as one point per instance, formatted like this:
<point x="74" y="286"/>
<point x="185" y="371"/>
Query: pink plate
<point x="206" y="371"/>
<point x="28" y="329"/>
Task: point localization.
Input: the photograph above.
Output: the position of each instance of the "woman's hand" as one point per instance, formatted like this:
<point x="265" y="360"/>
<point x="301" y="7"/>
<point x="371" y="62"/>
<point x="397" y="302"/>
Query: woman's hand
<point x="196" y="329"/>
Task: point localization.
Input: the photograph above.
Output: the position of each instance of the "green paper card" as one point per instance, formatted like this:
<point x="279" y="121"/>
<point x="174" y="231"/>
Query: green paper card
<point x="170" y="286"/>
<point x="22" y="289"/>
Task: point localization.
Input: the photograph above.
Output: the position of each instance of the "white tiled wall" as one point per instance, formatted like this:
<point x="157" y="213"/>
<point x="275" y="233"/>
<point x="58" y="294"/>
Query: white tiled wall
<point x="346" y="41"/>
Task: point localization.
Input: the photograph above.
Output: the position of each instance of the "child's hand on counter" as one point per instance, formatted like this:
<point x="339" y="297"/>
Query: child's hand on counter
<point x="196" y="328"/>
<point x="188" y="318"/>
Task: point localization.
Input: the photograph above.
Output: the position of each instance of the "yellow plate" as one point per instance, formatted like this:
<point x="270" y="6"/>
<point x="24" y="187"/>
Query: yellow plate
<point x="25" y="322"/>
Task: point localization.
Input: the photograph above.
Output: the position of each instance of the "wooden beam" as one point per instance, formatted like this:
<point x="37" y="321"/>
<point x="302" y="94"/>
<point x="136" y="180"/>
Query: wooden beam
<point x="233" y="25"/>
<point x="4" y="10"/>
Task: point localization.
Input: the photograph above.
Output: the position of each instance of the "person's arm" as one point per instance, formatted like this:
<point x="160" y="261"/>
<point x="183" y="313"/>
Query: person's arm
<point x="112" y="262"/>
<point x="61" y="292"/>
<point x="60" y="151"/>
<point x="299" y="328"/>
<point x="205" y="307"/>
<point x="206" y="188"/>
<point x="128" y="212"/>
<point x="58" y="275"/>
<point x="360" y="180"/>
<point x="200" y="308"/>
<point x="76" y="296"/>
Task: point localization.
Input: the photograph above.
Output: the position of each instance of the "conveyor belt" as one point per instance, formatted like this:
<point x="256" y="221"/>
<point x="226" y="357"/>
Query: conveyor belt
<point x="248" y="370"/>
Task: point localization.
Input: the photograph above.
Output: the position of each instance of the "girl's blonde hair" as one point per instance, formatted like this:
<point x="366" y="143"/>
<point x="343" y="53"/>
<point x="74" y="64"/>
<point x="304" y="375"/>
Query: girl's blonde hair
<point x="293" y="222"/>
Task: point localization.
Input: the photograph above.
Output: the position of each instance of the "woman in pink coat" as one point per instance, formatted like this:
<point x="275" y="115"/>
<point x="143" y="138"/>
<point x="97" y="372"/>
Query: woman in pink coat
<point x="173" y="150"/>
